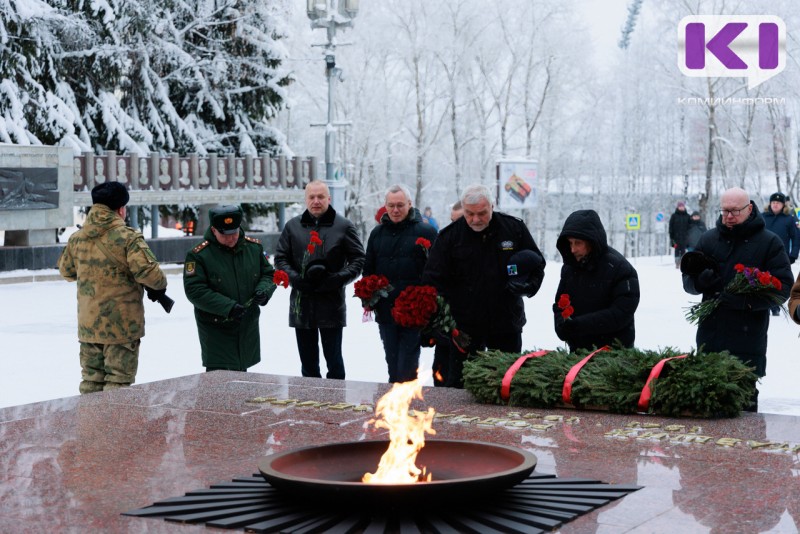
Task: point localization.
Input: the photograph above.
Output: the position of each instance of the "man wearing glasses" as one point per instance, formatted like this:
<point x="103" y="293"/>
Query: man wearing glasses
<point x="739" y="325"/>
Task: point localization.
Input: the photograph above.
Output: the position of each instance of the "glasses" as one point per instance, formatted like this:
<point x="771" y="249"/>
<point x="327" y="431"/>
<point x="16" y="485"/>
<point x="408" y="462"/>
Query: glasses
<point x="735" y="213"/>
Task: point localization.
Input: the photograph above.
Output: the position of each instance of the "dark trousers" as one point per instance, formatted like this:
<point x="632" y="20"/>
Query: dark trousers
<point x="503" y="341"/>
<point x="401" y="346"/>
<point x="308" y="347"/>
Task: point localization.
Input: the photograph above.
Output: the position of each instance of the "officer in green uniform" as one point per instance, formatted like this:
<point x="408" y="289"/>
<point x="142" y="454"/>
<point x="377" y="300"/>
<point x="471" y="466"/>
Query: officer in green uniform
<point x="227" y="277"/>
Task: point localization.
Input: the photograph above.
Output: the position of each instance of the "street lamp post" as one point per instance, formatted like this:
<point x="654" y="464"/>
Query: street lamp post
<point x="332" y="15"/>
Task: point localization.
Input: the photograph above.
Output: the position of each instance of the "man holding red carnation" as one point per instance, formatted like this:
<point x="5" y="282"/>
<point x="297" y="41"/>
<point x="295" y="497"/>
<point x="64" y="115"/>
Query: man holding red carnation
<point x="397" y="249"/>
<point x="321" y="253"/>
<point x="599" y="289"/>
<point x="739" y="324"/>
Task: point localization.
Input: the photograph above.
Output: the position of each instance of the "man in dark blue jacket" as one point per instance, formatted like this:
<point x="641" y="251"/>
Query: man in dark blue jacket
<point x="780" y="221"/>
<point x="601" y="285"/>
<point x="468" y="265"/>
<point x="392" y="251"/>
<point x="739" y="325"/>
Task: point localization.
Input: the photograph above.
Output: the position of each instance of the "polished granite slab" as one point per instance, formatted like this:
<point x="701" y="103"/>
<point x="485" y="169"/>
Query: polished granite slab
<point x="75" y="464"/>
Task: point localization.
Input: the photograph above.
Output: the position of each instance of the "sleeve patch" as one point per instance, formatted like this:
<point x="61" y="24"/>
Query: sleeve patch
<point x="189" y="268"/>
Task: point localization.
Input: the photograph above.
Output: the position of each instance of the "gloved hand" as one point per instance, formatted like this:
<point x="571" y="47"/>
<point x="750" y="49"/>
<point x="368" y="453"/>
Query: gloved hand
<point x="708" y="282"/>
<point x="315" y="274"/>
<point x="260" y="298"/>
<point x="301" y="284"/>
<point x="237" y="312"/>
<point x="155" y="294"/>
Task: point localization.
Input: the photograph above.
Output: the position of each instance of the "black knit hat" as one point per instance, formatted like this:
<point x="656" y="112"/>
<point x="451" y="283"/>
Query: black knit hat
<point x="111" y="194"/>
<point x="780" y="197"/>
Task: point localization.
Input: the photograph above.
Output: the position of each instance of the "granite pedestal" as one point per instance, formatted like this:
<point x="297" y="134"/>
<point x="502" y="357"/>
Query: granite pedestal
<point x="76" y="464"/>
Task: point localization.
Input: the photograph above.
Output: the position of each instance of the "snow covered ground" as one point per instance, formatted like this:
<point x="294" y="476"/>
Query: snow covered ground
<point x="39" y="347"/>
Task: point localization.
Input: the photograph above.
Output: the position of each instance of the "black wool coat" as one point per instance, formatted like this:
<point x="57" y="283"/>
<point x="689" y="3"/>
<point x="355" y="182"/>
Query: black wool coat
<point x="392" y="252"/>
<point x="739" y="324"/>
<point x="342" y="254"/>
<point x="603" y="289"/>
<point x="784" y="225"/>
<point x="679" y="227"/>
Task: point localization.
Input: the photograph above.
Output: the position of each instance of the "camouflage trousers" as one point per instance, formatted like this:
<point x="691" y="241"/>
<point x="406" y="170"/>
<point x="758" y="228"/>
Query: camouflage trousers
<point x="106" y="367"/>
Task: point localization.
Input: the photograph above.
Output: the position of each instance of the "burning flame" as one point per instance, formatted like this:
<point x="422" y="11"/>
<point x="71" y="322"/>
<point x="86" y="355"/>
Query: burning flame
<point x="406" y="435"/>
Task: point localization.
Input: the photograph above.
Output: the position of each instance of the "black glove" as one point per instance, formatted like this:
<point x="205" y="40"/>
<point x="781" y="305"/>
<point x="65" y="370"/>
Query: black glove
<point x="301" y="284"/>
<point x="315" y="274"/>
<point x="155" y="294"/>
<point x="237" y="312"/>
<point x="792" y="260"/>
<point x="708" y="282"/>
<point x="260" y="298"/>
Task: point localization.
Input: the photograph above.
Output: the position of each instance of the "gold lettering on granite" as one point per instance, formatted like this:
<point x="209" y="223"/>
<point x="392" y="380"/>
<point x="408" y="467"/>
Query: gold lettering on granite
<point x="341" y="406"/>
<point x="728" y="442"/>
<point x="542" y="427"/>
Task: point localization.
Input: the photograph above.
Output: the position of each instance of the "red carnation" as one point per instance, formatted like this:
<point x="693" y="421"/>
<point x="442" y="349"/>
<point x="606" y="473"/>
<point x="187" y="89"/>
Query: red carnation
<point x="567" y="312"/>
<point x="280" y="278"/>
<point x="424" y="243"/>
<point x="563" y="301"/>
<point x="738" y="267"/>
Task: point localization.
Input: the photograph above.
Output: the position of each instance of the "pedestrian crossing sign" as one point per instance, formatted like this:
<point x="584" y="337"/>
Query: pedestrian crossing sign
<point x="633" y="221"/>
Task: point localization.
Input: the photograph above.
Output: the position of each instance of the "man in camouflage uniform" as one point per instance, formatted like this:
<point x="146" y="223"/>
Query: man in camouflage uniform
<point x="226" y="278"/>
<point x="113" y="266"/>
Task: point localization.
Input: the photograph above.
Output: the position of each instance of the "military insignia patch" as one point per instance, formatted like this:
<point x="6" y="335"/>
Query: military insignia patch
<point x="228" y="220"/>
<point x="189" y="268"/>
<point x="507" y="245"/>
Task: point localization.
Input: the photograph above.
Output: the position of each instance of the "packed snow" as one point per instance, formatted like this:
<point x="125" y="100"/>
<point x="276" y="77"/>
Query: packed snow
<point x="38" y="326"/>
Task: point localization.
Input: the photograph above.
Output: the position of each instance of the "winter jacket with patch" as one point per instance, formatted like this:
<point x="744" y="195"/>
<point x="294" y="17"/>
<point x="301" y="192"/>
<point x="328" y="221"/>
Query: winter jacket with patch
<point x="110" y="309"/>
<point x="603" y="289"/>
<point x="470" y="270"/>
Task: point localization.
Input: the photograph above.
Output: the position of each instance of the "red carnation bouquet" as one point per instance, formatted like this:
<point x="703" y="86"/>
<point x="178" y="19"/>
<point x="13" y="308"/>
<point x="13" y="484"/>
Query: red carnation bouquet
<point x="747" y="281"/>
<point x="565" y="306"/>
<point x="370" y="289"/>
<point x="422" y="307"/>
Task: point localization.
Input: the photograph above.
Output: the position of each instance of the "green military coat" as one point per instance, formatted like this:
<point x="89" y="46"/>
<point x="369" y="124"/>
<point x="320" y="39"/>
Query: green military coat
<point x="216" y="278"/>
<point x="110" y="309"/>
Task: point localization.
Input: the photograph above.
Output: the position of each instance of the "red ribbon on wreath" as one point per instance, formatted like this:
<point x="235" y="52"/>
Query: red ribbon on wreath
<point x="644" y="398"/>
<point x="566" y="392"/>
<point x="505" y="386"/>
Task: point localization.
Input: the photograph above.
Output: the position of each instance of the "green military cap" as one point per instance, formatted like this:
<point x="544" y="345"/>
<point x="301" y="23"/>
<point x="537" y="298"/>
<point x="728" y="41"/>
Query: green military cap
<point x="226" y="219"/>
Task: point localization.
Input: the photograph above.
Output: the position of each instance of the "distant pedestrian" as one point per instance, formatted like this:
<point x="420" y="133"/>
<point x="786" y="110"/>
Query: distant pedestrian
<point x="113" y="267"/>
<point x="227" y="277"/>
<point x="456" y="211"/>
<point x="679" y="231"/>
<point x="319" y="266"/>
<point x="599" y="288"/>
<point x="393" y="251"/>
<point x="428" y="218"/>
<point x="696" y="228"/>
<point x="739" y="325"/>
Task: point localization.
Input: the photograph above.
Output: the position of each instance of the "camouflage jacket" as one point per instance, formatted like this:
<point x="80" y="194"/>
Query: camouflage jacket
<point x="110" y="309"/>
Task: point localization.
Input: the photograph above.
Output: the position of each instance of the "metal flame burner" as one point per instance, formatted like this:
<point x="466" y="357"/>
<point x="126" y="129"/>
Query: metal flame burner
<point x="461" y="471"/>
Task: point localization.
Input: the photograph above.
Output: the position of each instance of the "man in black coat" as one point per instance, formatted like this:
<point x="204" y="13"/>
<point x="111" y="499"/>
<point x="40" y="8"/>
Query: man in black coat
<point x="392" y="251"/>
<point x="679" y="231"/>
<point x="739" y="325"/>
<point x="318" y="275"/>
<point x="601" y="285"/>
<point x="468" y="265"/>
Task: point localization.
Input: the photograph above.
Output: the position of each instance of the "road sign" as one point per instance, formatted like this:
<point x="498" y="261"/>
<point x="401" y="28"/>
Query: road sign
<point x="633" y="221"/>
<point x="659" y="217"/>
